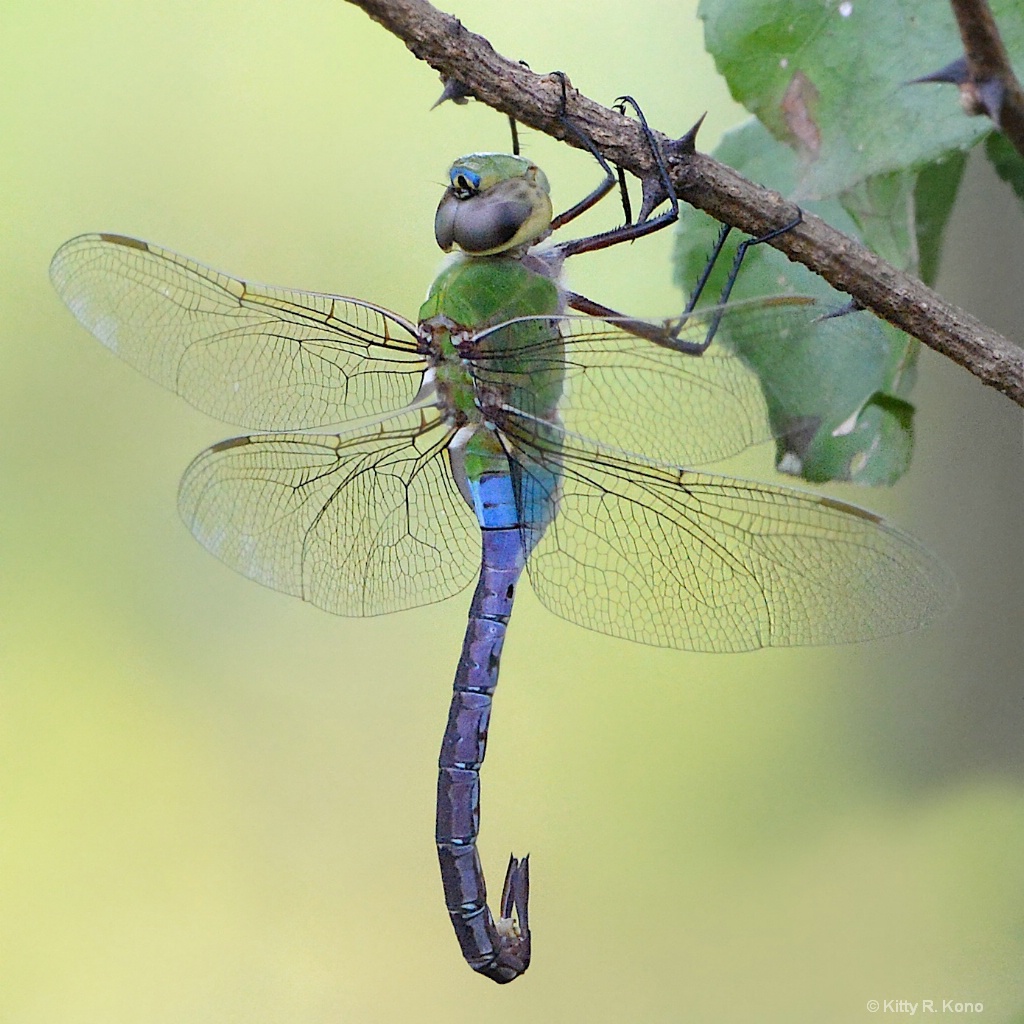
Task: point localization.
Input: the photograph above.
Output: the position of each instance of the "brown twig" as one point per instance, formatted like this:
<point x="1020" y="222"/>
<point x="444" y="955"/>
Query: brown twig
<point x="989" y="71"/>
<point x="446" y="45"/>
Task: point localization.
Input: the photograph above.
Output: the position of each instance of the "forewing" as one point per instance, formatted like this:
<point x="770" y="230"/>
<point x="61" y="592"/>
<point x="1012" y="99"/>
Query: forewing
<point x="265" y="358"/>
<point x="707" y="563"/>
<point x="628" y="391"/>
<point x="361" y="523"/>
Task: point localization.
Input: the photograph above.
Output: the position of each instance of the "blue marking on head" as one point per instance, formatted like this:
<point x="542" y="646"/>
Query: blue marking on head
<point x="460" y="171"/>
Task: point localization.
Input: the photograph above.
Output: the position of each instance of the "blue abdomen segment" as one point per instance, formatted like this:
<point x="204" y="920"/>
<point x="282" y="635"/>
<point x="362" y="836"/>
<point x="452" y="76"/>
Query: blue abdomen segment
<point x="526" y="499"/>
<point x="494" y="501"/>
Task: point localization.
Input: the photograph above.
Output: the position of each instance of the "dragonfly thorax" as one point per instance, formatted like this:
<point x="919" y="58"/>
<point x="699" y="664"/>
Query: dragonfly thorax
<point x="487" y="339"/>
<point x="447" y="376"/>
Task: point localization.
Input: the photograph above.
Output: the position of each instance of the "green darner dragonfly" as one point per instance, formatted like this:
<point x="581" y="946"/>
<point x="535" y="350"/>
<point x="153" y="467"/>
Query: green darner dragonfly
<point x="557" y="443"/>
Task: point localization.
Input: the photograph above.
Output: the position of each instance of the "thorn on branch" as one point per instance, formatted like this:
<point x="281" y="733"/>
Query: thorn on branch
<point x="978" y="97"/>
<point x="984" y="74"/>
<point x="686" y="144"/>
<point x="455" y="91"/>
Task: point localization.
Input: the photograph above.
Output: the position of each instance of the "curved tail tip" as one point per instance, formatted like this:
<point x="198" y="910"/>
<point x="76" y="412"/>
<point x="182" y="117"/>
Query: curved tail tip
<point x="513" y="927"/>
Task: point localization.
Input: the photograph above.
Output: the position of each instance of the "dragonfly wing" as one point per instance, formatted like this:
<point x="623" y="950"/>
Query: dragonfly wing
<point x="265" y="358"/>
<point x="699" y="562"/>
<point x="361" y="523"/>
<point x="633" y="394"/>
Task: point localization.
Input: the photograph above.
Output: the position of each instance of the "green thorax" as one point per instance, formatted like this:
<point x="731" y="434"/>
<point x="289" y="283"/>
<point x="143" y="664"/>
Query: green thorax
<point x="481" y="291"/>
<point x="517" y="366"/>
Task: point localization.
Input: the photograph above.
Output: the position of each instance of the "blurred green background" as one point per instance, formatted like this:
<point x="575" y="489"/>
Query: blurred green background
<point x="217" y="803"/>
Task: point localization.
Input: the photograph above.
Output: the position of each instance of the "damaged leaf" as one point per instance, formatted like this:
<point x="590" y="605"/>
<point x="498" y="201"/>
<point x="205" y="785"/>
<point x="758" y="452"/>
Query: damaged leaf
<point x="837" y="71"/>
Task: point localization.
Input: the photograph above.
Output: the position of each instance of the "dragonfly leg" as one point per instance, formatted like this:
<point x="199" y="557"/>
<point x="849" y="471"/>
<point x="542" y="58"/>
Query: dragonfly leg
<point x="661" y="190"/>
<point x="666" y="336"/>
<point x="645" y="224"/>
<point x="716" y="251"/>
<point x="607" y="184"/>
<point x="741" y="251"/>
<point x="513" y="127"/>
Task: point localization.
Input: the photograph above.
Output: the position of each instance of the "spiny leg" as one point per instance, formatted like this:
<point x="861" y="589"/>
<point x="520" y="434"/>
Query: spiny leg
<point x="513" y="127"/>
<point x="659" y="334"/>
<point x="730" y="280"/>
<point x="644" y="225"/>
<point x="670" y="335"/>
<point x="607" y="184"/>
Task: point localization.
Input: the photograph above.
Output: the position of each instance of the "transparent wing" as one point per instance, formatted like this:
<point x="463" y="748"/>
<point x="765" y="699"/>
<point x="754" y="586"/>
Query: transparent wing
<point x="265" y="358"/>
<point x="679" y="559"/>
<point x="628" y="392"/>
<point x="361" y="523"/>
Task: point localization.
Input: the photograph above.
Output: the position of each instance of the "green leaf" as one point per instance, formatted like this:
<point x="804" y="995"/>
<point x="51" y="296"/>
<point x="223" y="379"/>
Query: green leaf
<point x="837" y="392"/>
<point x="934" y="196"/>
<point x="829" y="78"/>
<point x="1009" y="164"/>
<point x="902" y="215"/>
<point x="835" y="398"/>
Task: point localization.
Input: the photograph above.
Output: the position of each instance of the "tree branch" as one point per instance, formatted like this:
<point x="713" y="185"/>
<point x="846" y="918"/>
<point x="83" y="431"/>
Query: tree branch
<point x="999" y="93"/>
<point x="446" y="45"/>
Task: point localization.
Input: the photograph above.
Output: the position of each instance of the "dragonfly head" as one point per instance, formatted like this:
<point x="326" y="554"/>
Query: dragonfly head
<point x="494" y="203"/>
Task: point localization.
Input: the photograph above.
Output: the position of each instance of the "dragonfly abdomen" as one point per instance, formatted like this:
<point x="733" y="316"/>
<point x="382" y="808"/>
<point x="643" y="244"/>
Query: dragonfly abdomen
<point x="498" y="949"/>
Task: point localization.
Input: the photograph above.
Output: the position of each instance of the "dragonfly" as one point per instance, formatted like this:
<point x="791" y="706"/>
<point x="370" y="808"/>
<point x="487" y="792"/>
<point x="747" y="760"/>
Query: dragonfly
<point x="394" y="461"/>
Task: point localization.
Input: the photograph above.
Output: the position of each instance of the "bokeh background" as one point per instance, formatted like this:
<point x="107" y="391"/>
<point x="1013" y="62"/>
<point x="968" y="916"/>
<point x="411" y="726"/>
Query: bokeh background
<point x="217" y="803"/>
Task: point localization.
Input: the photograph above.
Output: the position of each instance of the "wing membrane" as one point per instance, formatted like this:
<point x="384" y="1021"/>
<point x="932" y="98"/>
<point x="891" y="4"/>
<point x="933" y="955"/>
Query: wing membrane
<point x="629" y="393"/>
<point x="690" y="560"/>
<point x="265" y="358"/>
<point x="362" y="523"/>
